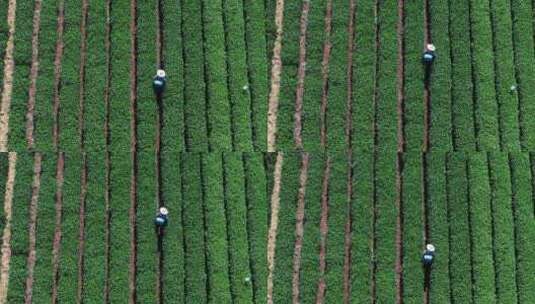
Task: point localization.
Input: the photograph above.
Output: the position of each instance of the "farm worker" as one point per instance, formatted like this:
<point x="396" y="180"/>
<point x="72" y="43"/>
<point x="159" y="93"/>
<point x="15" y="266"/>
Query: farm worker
<point x="428" y="58"/>
<point x="161" y="218"/>
<point x="158" y="83"/>
<point x="428" y="256"/>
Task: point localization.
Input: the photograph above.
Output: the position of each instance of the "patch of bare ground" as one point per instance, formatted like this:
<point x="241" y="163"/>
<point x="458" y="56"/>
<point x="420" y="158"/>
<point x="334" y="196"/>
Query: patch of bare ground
<point x="298" y="125"/>
<point x="325" y="73"/>
<point x="9" y="67"/>
<point x="299" y="230"/>
<point x="57" y="72"/>
<point x="272" y="233"/>
<point x="6" y="235"/>
<point x="276" y="69"/>
<point x="324" y="228"/>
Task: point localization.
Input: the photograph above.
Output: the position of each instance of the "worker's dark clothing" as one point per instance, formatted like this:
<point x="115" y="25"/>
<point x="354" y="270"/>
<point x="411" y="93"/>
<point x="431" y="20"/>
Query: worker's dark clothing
<point x="428" y="58"/>
<point x="160" y="220"/>
<point x="427" y="258"/>
<point x="158" y="84"/>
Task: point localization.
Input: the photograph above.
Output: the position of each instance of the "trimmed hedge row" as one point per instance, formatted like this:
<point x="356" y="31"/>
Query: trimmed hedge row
<point x="480" y="215"/>
<point x="257" y="221"/>
<point x="147" y="237"/>
<point x="239" y="98"/>
<point x="218" y="108"/>
<point x="194" y="236"/>
<point x="309" y="274"/>
<point x="288" y="80"/>
<point x="195" y="88"/>
<point x="438" y="217"/>
<point x="69" y="109"/>
<point x="413" y="76"/>
<point x="173" y="129"/>
<point x="285" y="244"/>
<point x="95" y="259"/>
<point x="120" y="114"/>
<point x="96" y="74"/>
<point x="364" y="72"/>
<point x="459" y="229"/>
<point x="362" y="227"/>
<point x="504" y="66"/>
<point x="257" y="65"/>
<point x="217" y="239"/>
<point x="313" y="77"/>
<point x="236" y="216"/>
<point x="337" y="218"/>
<point x="22" y="56"/>
<point x="524" y="235"/>
<point x="173" y="245"/>
<point x="20" y="228"/>
<point x="413" y="227"/>
<point x="503" y="228"/>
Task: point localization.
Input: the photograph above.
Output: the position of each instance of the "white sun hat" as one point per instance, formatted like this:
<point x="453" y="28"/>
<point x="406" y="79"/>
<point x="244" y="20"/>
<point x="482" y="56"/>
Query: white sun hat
<point x="164" y="211"/>
<point x="430" y="247"/>
<point x="160" y="73"/>
<point x="431" y="47"/>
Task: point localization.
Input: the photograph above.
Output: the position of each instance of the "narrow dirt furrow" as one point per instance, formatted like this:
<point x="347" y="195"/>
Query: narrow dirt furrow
<point x="427" y="89"/>
<point x="348" y="232"/>
<point x="276" y="69"/>
<point x="133" y="147"/>
<point x="400" y="76"/>
<point x="425" y="215"/>
<point x="33" y="74"/>
<point x="6" y="234"/>
<point x="299" y="229"/>
<point x="320" y="292"/>
<point x="81" y="236"/>
<point x="30" y="264"/>
<point x="158" y="165"/>
<point x="83" y="59"/>
<point x="273" y="225"/>
<point x="9" y="67"/>
<point x="399" y="228"/>
<point x="298" y="124"/>
<point x="57" y="233"/>
<point x="325" y="74"/>
<point x="57" y="72"/>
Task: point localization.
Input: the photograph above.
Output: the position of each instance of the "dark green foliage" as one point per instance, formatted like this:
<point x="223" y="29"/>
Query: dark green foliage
<point x="19" y="228"/>
<point x="4" y="31"/>
<point x="95" y="78"/>
<point x="362" y="228"/>
<point x="217" y="246"/>
<point x="193" y="223"/>
<point x="503" y="228"/>
<point x="257" y="221"/>
<point x="257" y="65"/>
<point x="236" y="215"/>
<point x="481" y="229"/>
<point x="217" y="95"/>
<point x="285" y="242"/>
<point x="95" y="260"/>
<point x="22" y="56"/>
<point x="459" y="228"/>
<point x="4" y="166"/>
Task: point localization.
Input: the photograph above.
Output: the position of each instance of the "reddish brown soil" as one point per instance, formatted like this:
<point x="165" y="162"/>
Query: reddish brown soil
<point x="276" y="69"/>
<point x="9" y="66"/>
<point x="299" y="230"/>
<point x="320" y="293"/>
<point x="30" y="262"/>
<point x="57" y="72"/>
<point x="33" y="73"/>
<point x="274" y="222"/>
<point x="325" y="74"/>
<point x="6" y="236"/>
<point x="57" y="234"/>
<point x="298" y="125"/>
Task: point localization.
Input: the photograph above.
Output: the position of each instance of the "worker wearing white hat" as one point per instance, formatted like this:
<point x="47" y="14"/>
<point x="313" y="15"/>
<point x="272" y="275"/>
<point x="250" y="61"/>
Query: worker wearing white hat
<point x="429" y="256"/>
<point x="161" y="218"/>
<point x="158" y="83"/>
<point x="428" y="58"/>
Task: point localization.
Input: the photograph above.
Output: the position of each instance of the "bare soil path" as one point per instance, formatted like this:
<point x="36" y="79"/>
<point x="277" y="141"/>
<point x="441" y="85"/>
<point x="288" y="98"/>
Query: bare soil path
<point x="57" y="72"/>
<point x="9" y="67"/>
<point x="298" y="125"/>
<point x="57" y="233"/>
<point x="299" y="229"/>
<point x="272" y="233"/>
<point x="6" y="235"/>
<point x="276" y="69"/>
<point x="83" y="59"/>
<point x="81" y="229"/>
<point x="324" y="228"/>
<point x="30" y="263"/>
<point x="325" y="73"/>
<point x="33" y="74"/>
